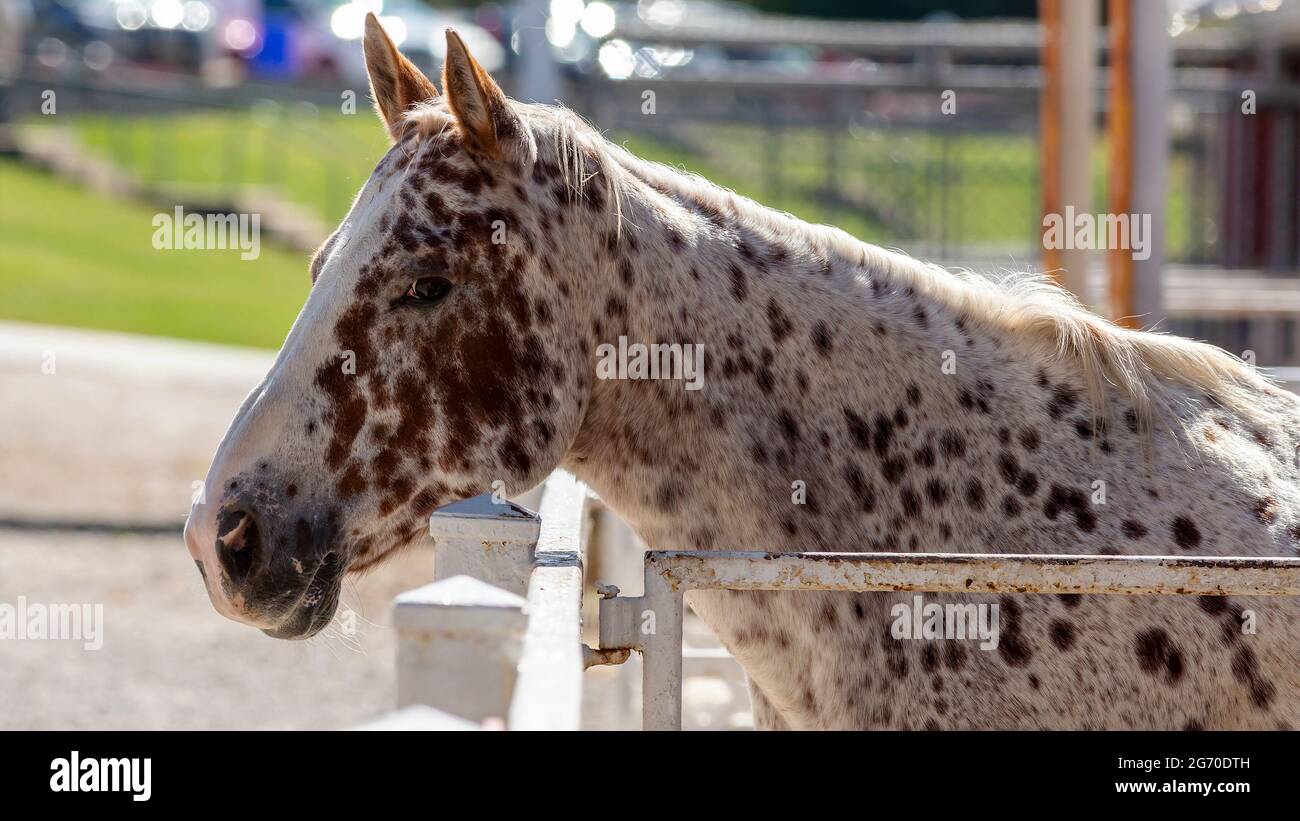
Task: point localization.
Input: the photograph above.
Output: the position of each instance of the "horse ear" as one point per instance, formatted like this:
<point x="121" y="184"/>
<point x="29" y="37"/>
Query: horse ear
<point x="395" y="83"/>
<point x="480" y="106"/>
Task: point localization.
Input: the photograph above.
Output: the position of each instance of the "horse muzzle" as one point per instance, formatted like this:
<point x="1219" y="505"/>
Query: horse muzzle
<point x="285" y="584"/>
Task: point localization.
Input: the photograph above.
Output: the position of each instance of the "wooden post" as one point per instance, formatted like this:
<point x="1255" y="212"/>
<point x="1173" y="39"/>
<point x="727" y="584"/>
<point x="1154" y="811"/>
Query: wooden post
<point x="1119" y="129"/>
<point x="1049" y="104"/>
<point x="1139" y="154"/>
<point x="1067" y="108"/>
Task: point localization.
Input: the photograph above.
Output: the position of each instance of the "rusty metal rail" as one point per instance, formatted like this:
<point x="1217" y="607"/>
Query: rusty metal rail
<point x="979" y="573"/>
<point x="497" y="637"/>
<point x="652" y="623"/>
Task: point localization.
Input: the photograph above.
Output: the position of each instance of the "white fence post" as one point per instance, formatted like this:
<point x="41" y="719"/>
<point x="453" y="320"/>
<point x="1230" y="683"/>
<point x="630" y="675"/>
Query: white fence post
<point x="418" y="717"/>
<point x="469" y="644"/>
<point x="549" y="691"/>
<point x="458" y="643"/>
<point x="487" y="540"/>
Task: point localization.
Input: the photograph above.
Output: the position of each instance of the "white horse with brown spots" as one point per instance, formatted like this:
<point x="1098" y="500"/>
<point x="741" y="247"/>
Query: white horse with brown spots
<point x="497" y="246"/>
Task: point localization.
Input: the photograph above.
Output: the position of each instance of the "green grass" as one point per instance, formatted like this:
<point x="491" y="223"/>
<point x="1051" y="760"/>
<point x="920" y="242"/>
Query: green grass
<point x="916" y="185"/>
<point x="74" y="258"/>
<point x="320" y="160"/>
<point x="909" y="185"/>
<point x="895" y="186"/>
<point x="77" y="259"/>
<point x="317" y="160"/>
<point x="740" y="175"/>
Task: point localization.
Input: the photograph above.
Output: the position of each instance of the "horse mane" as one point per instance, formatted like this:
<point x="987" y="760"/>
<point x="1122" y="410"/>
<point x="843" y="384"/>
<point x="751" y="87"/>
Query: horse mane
<point x="1152" y="370"/>
<point x="580" y="152"/>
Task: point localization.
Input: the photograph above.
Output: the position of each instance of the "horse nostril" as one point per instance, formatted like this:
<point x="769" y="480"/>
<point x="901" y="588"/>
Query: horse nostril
<point x="238" y="543"/>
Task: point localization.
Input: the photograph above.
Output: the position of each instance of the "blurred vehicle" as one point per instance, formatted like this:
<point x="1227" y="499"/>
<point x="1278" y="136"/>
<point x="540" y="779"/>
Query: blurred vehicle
<point x="100" y="33"/>
<point x="1273" y="20"/>
<point x="320" y="40"/>
<point x="417" y="28"/>
<point x="580" y="32"/>
<point x="55" y="34"/>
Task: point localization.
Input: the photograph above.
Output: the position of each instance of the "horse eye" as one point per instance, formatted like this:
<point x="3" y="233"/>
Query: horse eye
<point x="427" y="290"/>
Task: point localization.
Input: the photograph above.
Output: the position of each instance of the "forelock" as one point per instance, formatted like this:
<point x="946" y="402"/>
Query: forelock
<point x="551" y="134"/>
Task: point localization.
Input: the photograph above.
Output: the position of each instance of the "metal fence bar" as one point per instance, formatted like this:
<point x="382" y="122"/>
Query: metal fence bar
<point x="1005" y="40"/>
<point x="548" y="688"/>
<point x="669" y="574"/>
<point x="977" y="573"/>
<point x="661" y="669"/>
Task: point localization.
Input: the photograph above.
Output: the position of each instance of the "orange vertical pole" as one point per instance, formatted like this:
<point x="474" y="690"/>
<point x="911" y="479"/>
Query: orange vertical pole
<point x="1049" y="114"/>
<point x="1119" y="129"/>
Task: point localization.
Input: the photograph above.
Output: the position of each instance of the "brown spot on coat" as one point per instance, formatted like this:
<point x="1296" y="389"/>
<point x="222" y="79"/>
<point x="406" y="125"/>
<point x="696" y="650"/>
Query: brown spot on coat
<point x="1186" y="534"/>
<point x="1156" y="651"/>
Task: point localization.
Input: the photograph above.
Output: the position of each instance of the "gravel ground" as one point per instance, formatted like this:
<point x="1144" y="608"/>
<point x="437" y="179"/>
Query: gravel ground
<point x="122" y="427"/>
<point x="115" y="437"/>
<point x="168" y="661"/>
<point x="97" y="464"/>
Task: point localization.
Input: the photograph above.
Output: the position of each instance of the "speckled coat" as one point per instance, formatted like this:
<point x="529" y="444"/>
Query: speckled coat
<point x="923" y="410"/>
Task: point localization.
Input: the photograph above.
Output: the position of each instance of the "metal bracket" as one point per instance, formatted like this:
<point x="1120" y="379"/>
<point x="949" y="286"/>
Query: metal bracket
<point x="618" y="621"/>
<point x="592" y="657"/>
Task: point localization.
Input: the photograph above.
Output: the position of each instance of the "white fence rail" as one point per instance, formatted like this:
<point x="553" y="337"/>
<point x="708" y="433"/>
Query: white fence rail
<point x="548" y="693"/>
<point x="497" y="637"/>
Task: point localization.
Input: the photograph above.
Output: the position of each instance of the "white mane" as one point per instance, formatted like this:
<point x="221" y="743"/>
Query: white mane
<point x="1146" y="367"/>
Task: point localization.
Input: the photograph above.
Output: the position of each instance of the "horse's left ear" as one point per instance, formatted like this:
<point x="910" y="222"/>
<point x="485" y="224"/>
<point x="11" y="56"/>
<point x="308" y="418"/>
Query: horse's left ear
<point x="395" y="82"/>
<point x="481" y="108"/>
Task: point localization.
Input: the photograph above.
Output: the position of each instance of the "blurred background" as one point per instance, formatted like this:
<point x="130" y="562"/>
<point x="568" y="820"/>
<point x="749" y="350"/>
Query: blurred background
<point x="120" y="365"/>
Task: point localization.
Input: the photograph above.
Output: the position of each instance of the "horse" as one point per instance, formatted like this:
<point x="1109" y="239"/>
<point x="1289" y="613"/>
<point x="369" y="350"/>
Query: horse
<point x="452" y="338"/>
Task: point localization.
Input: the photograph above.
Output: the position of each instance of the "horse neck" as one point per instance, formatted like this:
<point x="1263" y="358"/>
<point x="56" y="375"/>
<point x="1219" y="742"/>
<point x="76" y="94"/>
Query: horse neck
<point x="806" y="352"/>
